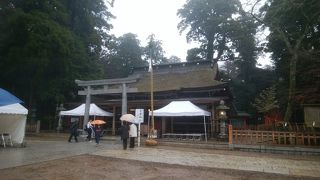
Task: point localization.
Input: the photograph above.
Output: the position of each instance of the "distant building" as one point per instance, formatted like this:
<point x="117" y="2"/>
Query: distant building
<point x="312" y="115"/>
<point x="197" y="82"/>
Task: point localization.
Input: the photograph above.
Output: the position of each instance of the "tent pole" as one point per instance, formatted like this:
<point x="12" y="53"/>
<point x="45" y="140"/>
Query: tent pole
<point x="205" y="128"/>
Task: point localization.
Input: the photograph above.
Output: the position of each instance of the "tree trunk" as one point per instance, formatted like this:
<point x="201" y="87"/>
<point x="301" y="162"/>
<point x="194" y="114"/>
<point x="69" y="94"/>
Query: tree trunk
<point x="210" y="49"/>
<point x="292" y="85"/>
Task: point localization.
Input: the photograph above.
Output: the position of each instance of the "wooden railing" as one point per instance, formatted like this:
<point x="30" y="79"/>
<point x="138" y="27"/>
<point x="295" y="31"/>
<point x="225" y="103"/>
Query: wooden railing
<point x="273" y="137"/>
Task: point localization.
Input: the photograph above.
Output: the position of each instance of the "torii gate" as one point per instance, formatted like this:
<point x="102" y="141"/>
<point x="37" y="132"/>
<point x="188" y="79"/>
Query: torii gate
<point x="121" y="84"/>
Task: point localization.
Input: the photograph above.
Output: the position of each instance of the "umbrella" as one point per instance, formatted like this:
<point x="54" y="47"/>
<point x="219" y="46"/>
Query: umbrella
<point x="7" y="98"/>
<point x="98" y="122"/>
<point x="127" y="117"/>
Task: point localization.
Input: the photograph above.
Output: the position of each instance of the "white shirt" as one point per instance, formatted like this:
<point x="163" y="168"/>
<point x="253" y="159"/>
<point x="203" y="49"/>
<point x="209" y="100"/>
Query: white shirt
<point x="133" y="131"/>
<point x="89" y="125"/>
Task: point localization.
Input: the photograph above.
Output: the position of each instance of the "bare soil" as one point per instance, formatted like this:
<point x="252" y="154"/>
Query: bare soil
<point x="97" y="167"/>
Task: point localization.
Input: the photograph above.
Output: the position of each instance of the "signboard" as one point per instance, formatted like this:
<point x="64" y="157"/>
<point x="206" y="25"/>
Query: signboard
<point x="139" y="116"/>
<point x="139" y="119"/>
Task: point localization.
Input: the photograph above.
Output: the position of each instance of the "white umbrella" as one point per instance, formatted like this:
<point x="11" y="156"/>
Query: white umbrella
<point x="127" y="117"/>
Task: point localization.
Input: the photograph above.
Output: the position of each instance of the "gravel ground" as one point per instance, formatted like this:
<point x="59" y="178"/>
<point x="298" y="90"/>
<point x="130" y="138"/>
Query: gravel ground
<point x="97" y="167"/>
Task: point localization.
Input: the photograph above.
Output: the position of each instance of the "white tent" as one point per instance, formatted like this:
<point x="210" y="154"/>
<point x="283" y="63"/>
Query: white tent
<point x="79" y="111"/>
<point x="182" y="108"/>
<point x="13" y="121"/>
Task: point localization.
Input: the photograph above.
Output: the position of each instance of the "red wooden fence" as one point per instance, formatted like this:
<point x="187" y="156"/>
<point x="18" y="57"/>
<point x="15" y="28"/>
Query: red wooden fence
<point x="273" y="137"/>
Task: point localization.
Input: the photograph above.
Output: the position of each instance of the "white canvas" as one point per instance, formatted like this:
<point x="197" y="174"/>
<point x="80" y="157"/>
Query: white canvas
<point x="13" y="121"/>
<point x="79" y="111"/>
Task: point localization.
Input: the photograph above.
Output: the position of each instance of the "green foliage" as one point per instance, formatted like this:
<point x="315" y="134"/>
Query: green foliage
<point x="226" y="33"/>
<point x="46" y="45"/>
<point x="173" y="59"/>
<point x="221" y="27"/>
<point x="266" y="101"/>
<point x="245" y="91"/>
<point x="125" y="54"/>
<point x="195" y="54"/>
<point x="154" y="51"/>
<point x="294" y="35"/>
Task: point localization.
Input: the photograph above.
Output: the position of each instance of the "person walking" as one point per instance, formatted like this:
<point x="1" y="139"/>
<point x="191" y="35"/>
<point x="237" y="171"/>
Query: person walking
<point x="73" y="130"/>
<point x="89" y="130"/>
<point x="124" y="133"/>
<point x="132" y="134"/>
<point x="97" y="134"/>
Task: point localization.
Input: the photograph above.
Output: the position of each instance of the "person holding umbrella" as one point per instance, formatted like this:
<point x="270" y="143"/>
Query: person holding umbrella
<point x="124" y="133"/>
<point x="124" y="130"/>
<point x="97" y="130"/>
<point x="97" y="134"/>
<point x="89" y="130"/>
<point x="132" y="134"/>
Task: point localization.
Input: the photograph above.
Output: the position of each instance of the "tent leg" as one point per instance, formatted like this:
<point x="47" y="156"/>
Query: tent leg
<point x="205" y="128"/>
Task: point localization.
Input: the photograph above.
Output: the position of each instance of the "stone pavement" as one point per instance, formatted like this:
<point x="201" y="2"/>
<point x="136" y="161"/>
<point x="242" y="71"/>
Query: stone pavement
<point x="44" y="150"/>
<point x="225" y="161"/>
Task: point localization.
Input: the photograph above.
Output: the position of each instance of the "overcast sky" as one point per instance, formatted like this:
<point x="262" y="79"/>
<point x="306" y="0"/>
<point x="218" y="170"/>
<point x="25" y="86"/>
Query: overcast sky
<point x="145" y="17"/>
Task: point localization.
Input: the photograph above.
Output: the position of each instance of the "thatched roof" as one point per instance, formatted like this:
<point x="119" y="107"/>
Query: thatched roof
<point x="177" y="76"/>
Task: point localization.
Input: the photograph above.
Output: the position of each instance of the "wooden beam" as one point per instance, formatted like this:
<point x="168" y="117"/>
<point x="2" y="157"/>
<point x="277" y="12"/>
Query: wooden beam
<point x="100" y="82"/>
<point x="107" y="91"/>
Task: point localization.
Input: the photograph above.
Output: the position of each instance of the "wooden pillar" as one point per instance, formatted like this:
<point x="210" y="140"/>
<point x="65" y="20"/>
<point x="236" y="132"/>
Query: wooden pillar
<point x="124" y="107"/>
<point x="230" y="134"/>
<point x="87" y="107"/>
<point x="171" y="124"/>
<point x="163" y="125"/>
<point x="114" y="121"/>
<point x="212" y="119"/>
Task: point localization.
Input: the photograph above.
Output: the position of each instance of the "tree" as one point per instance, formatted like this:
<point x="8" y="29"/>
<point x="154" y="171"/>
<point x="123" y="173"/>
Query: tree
<point x="126" y="53"/>
<point x="293" y="26"/>
<point x="221" y="27"/>
<point x="226" y="33"/>
<point x="174" y="59"/>
<point x="195" y="54"/>
<point x="46" y="45"/>
<point x="89" y="21"/>
<point x="154" y="51"/>
<point x="266" y="101"/>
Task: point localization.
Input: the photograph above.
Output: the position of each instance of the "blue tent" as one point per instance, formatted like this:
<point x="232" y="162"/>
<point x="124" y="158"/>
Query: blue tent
<point x="7" y="98"/>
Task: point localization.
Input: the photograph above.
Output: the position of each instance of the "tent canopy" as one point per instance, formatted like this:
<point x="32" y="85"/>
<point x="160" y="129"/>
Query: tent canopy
<point x="180" y="108"/>
<point x="7" y="98"/>
<point x="13" y="121"/>
<point x="13" y="109"/>
<point x="79" y="111"/>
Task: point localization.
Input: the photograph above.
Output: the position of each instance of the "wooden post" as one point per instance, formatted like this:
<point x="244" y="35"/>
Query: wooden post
<point x="171" y="125"/>
<point x="38" y="127"/>
<point x="213" y="129"/>
<point x="273" y="140"/>
<point x="124" y="104"/>
<point x="230" y="134"/>
<point x="163" y="125"/>
<point x="87" y="107"/>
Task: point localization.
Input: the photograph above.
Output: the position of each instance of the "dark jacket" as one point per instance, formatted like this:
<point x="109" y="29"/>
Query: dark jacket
<point x="97" y="131"/>
<point x="74" y="127"/>
<point x="124" y="131"/>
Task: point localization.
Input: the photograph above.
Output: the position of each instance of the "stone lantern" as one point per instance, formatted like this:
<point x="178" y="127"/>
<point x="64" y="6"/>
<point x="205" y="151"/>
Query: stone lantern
<point x="58" y="109"/>
<point x="222" y="117"/>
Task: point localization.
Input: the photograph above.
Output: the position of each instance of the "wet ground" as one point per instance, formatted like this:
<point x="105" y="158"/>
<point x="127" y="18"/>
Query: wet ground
<point x="228" y="164"/>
